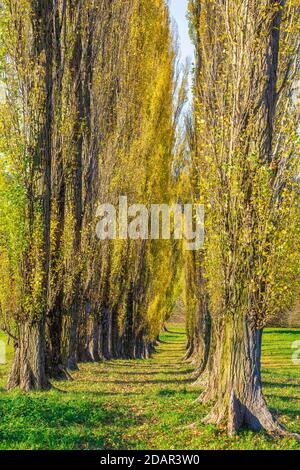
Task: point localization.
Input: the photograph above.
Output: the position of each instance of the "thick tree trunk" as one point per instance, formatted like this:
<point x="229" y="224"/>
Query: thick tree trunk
<point x="55" y="364"/>
<point x="240" y="401"/>
<point x="28" y="369"/>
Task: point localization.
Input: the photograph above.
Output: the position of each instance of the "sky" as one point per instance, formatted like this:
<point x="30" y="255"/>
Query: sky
<point x="178" y="10"/>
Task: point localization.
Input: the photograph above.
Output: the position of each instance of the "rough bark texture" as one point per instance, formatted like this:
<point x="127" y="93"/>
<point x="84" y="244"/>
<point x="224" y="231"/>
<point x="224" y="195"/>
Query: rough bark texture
<point x="28" y="369"/>
<point x="54" y="359"/>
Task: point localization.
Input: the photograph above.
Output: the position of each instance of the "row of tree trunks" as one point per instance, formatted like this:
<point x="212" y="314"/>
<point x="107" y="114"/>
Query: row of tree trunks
<point x="89" y="110"/>
<point x="103" y="341"/>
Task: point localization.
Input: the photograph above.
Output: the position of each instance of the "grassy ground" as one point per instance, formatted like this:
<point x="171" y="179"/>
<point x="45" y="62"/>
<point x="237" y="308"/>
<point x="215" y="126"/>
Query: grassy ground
<point x="144" y="404"/>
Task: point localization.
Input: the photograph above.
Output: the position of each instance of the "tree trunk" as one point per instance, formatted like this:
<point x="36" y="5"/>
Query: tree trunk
<point x="54" y="322"/>
<point x="83" y="347"/>
<point x="94" y="346"/>
<point x="76" y="184"/>
<point x="203" y="320"/>
<point x="28" y="369"/>
<point x="115" y="339"/>
<point x="189" y="348"/>
<point x="104" y="333"/>
<point x="73" y="339"/>
<point x="238" y="388"/>
<point x="204" y="339"/>
<point x="128" y="336"/>
<point x="29" y="366"/>
<point x="54" y="360"/>
<point x="204" y="343"/>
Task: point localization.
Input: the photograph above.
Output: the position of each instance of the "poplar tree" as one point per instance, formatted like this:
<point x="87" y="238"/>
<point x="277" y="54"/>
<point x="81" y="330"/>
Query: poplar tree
<point x="246" y="124"/>
<point x="27" y="59"/>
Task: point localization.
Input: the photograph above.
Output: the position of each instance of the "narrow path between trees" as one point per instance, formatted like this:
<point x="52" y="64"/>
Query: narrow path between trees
<point x="146" y="404"/>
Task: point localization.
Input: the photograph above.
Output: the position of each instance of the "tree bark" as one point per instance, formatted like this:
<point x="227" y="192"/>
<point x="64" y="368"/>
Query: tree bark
<point x="202" y="320"/>
<point x="104" y="333"/>
<point x="54" y="360"/>
<point x="93" y="341"/>
<point x="28" y="368"/>
<point x="73" y="334"/>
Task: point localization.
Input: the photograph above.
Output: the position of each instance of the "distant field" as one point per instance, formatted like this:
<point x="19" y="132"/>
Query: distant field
<point x="144" y="404"/>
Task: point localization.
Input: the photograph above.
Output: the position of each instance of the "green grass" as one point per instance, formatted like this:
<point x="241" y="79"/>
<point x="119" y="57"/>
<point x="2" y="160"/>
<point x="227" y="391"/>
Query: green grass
<point x="144" y="404"/>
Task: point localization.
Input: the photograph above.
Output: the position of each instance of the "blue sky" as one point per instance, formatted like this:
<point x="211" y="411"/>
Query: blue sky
<point x="178" y="10"/>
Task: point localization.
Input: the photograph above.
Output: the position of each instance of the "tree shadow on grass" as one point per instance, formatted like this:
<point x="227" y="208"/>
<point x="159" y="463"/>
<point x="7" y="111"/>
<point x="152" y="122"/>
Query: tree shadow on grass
<point x="169" y="392"/>
<point x="290" y="413"/>
<point x="284" y="331"/>
<point x="46" y="423"/>
<point x="156" y="372"/>
<point x="145" y="382"/>
<point x="281" y="385"/>
<point x="284" y="398"/>
<point x="153" y="367"/>
<point x="103" y="393"/>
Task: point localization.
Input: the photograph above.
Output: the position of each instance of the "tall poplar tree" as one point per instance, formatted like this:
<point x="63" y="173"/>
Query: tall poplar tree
<point x="28" y="61"/>
<point x="247" y="125"/>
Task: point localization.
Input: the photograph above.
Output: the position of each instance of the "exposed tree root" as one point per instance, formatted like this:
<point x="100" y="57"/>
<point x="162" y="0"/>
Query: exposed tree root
<point x="189" y="352"/>
<point x="59" y="373"/>
<point x="199" y="372"/>
<point x="201" y="382"/>
<point x="254" y="415"/>
<point x="72" y="365"/>
<point x="166" y="330"/>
